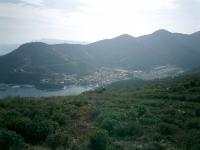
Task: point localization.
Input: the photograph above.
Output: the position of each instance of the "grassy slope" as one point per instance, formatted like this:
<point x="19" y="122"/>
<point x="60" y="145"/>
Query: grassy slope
<point x="161" y="115"/>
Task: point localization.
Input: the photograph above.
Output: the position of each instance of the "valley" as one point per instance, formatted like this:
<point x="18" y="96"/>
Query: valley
<point x="158" y="55"/>
<point x="64" y="84"/>
<point x="105" y="76"/>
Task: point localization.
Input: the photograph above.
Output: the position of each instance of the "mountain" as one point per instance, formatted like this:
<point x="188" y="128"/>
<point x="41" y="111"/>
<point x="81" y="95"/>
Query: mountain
<point x="58" y="41"/>
<point x="32" y="62"/>
<point x="123" y="51"/>
<point x="38" y="60"/>
<point x="173" y="48"/>
<point x="159" y="48"/>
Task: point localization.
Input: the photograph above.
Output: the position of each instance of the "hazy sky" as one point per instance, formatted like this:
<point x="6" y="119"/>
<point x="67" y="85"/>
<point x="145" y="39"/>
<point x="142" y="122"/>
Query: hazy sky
<point x="91" y="20"/>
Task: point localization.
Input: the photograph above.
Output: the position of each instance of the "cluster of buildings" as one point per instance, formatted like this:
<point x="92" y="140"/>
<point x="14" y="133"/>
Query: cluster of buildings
<point x="106" y="76"/>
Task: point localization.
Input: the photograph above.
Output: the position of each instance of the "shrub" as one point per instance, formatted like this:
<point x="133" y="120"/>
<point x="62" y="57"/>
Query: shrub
<point x="170" y="119"/>
<point x="112" y="115"/>
<point x="60" y="117"/>
<point x="33" y="131"/>
<point x="52" y="141"/>
<point x="197" y="112"/>
<point x="59" y="139"/>
<point x="99" y="140"/>
<point x="19" y="125"/>
<point x="153" y="146"/>
<point x="9" y="140"/>
<point x="193" y="123"/>
<point x="131" y="114"/>
<point x="121" y="130"/>
<point x="135" y="129"/>
<point x="108" y="124"/>
<point x="166" y="128"/>
<point x="37" y="131"/>
<point x="148" y="121"/>
<point x="127" y="129"/>
<point x="189" y="140"/>
<point x="141" y="111"/>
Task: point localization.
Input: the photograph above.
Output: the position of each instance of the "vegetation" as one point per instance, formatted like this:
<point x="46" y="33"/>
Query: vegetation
<point x="157" y="116"/>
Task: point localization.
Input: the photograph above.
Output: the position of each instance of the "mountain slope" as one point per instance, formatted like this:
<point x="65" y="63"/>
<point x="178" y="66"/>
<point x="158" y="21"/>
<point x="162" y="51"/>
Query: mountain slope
<point x="123" y="51"/>
<point x="36" y="60"/>
<point x="173" y="48"/>
<point x="159" y="48"/>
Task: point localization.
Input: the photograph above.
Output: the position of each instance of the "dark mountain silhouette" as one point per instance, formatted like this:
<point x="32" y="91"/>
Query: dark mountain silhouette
<point x="123" y="51"/>
<point x="173" y="48"/>
<point x="35" y="60"/>
<point x="159" y="48"/>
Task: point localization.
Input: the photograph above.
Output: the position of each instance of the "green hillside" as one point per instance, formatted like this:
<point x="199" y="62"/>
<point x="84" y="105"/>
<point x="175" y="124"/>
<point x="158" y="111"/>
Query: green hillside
<point x="32" y="62"/>
<point x="155" y="116"/>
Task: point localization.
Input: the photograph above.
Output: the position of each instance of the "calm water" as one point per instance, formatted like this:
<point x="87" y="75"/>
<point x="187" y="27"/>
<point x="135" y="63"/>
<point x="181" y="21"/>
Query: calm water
<point x="26" y="91"/>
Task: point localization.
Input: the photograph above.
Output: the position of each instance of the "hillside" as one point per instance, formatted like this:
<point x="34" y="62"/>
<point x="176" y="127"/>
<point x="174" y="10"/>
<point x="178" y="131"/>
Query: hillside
<point x="178" y="49"/>
<point x="32" y="62"/>
<point x="159" y="48"/>
<point x="155" y="116"/>
<point x="121" y="52"/>
<point x="39" y="61"/>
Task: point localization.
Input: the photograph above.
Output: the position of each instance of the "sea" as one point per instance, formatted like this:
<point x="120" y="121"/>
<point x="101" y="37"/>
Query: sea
<point x="7" y="90"/>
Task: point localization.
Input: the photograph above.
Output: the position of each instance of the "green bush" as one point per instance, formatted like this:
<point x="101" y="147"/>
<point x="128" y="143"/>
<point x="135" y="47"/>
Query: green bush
<point x="141" y="111"/>
<point x="135" y="129"/>
<point x="33" y="131"/>
<point x="172" y="119"/>
<point x="109" y="124"/>
<point x="99" y="140"/>
<point x="193" y="123"/>
<point x="167" y="129"/>
<point x="153" y="146"/>
<point x="20" y="125"/>
<point x="116" y="115"/>
<point x="37" y="131"/>
<point x="132" y="115"/>
<point x="9" y="140"/>
<point x="52" y="141"/>
<point x="197" y="112"/>
<point x="189" y="140"/>
<point x="121" y="130"/>
<point x="59" y="139"/>
<point x="60" y="117"/>
<point x="127" y="129"/>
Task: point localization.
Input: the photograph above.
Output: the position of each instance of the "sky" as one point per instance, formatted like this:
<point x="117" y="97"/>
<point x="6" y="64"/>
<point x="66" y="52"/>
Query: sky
<point x="91" y="20"/>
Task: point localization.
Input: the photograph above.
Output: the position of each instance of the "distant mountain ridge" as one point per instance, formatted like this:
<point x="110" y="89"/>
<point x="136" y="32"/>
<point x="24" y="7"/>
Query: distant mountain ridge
<point x="159" y="48"/>
<point x="37" y="59"/>
<point x="58" y="41"/>
<point x="7" y="48"/>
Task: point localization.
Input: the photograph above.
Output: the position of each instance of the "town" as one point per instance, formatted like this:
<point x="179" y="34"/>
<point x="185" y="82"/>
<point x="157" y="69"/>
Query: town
<point x="105" y="76"/>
